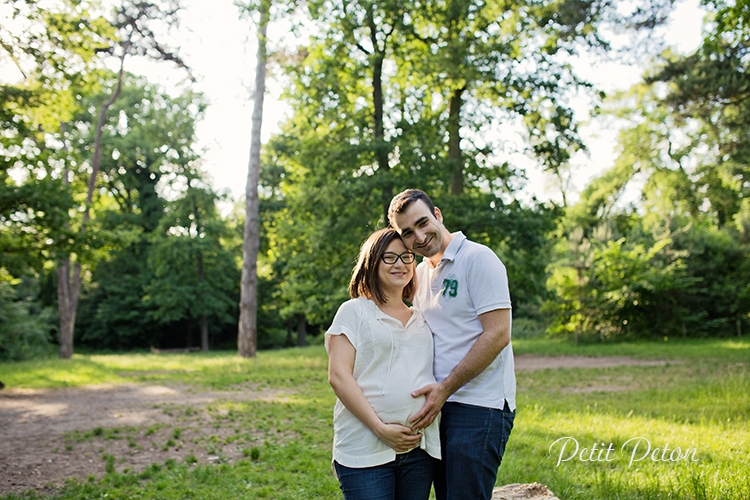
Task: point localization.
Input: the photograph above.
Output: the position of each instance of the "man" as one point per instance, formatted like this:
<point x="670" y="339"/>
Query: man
<point x="463" y="294"/>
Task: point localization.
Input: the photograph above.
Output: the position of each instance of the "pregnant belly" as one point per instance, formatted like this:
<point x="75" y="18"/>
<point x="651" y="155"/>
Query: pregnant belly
<point x="398" y="407"/>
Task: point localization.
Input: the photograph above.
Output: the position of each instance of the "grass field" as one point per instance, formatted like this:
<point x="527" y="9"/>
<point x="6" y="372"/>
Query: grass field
<point x="675" y="431"/>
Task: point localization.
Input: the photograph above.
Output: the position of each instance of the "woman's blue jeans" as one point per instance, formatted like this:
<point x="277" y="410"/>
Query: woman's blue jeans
<point x="473" y="440"/>
<point x="409" y="477"/>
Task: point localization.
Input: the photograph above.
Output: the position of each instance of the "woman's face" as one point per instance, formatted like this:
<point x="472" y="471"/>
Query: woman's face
<point x="394" y="277"/>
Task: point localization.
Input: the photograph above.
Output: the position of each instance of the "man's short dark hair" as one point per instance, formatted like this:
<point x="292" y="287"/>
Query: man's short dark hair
<point x="401" y="202"/>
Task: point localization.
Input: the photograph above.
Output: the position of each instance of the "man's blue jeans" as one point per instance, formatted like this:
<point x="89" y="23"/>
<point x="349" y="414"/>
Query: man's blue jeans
<point x="409" y="477"/>
<point x="473" y="440"/>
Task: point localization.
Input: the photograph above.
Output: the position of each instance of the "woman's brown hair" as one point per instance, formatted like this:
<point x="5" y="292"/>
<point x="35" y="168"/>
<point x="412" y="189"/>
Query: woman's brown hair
<point x="365" y="281"/>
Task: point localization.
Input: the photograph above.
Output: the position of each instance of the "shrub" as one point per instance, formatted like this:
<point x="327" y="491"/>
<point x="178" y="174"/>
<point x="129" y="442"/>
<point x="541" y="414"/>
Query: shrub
<point x="23" y="335"/>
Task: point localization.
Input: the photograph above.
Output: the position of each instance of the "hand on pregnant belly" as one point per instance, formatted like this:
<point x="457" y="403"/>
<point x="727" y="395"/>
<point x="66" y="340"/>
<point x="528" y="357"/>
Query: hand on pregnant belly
<point x="434" y="396"/>
<point x="399" y="437"/>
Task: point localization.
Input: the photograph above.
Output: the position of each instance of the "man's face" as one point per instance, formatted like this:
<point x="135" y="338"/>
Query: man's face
<point x="421" y="230"/>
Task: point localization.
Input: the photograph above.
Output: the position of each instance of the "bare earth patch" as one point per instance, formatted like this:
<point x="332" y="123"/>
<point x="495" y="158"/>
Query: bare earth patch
<point x="51" y="435"/>
<point x="48" y="436"/>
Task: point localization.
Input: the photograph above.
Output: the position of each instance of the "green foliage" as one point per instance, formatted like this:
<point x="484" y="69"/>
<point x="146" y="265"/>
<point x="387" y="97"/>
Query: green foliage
<point x="719" y="265"/>
<point x="148" y="139"/>
<point x="53" y="47"/>
<point x="708" y="90"/>
<point x="24" y="328"/>
<point x="676" y="262"/>
<point x="386" y="96"/>
<point x="606" y="288"/>
<point x="194" y="270"/>
<point x="382" y="95"/>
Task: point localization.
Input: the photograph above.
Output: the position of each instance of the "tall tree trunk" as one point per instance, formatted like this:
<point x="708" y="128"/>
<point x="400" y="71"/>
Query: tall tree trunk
<point x="289" y="341"/>
<point x="381" y="148"/>
<point x="203" y="319"/>
<point x="301" y="331"/>
<point x="67" y="299"/>
<point x="67" y="285"/>
<point x="64" y="296"/>
<point x="204" y="332"/>
<point x="455" y="158"/>
<point x="247" y="335"/>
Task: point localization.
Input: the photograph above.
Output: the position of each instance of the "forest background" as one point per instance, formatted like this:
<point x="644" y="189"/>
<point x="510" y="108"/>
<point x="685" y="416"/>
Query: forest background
<point x="110" y="227"/>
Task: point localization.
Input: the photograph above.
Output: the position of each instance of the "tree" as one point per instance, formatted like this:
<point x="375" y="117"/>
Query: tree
<point x="708" y="89"/>
<point x="54" y="51"/>
<point x="148" y="138"/>
<point x="685" y="139"/>
<point x="194" y="271"/>
<point x="247" y="337"/>
<point x="134" y="36"/>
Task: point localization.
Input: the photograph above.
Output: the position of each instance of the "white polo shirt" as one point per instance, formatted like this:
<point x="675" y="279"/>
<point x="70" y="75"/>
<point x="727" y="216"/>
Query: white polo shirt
<point x="391" y="361"/>
<point x="470" y="280"/>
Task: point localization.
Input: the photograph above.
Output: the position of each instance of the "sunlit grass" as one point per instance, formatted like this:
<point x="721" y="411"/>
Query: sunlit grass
<point x="699" y="400"/>
<point x="214" y="369"/>
<point x="672" y="348"/>
<point x="694" y="403"/>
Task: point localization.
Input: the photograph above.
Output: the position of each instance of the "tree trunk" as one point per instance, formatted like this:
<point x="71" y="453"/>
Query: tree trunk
<point x="203" y="320"/>
<point x="455" y="158"/>
<point x="579" y="284"/>
<point x="301" y="331"/>
<point x="67" y="290"/>
<point x="67" y="300"/>
<point x="247" y="335"/>
<point x="64" y="296"/>
<point x="204" y="333"/>
<point x="289" y="342"/>
<point x="381" y="148"/>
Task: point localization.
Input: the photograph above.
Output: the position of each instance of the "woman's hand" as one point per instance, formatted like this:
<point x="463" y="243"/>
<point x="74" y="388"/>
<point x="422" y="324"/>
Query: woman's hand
<point x="398" y="437"/>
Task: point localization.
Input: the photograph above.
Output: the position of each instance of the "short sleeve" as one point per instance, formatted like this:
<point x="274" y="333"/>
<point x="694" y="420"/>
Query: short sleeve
<point x="488" y="282"/>
<point x="346" y="322"/>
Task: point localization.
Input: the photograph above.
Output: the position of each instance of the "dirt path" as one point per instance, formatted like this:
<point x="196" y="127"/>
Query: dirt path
<point x="47" y="436"/>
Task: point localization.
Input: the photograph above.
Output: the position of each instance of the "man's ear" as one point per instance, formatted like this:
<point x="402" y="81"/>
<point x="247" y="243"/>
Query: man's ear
<point x="438" y="215"/>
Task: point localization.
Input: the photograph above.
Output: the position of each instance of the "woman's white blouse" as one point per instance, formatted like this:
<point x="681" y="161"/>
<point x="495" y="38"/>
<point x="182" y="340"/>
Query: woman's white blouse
<point x="391" y="361"/>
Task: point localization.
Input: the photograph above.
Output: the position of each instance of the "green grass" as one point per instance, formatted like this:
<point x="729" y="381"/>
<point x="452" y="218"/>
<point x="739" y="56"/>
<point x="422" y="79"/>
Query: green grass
<point x="698" y="401"/>
<point x="728" y="350"/>
<point x="217" y="370"/>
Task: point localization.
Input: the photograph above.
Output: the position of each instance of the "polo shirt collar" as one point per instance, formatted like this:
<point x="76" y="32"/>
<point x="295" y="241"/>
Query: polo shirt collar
<point x="453" y="246"/>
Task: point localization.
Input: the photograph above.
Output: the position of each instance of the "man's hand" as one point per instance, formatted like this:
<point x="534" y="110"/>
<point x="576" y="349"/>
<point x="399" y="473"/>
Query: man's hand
<point x="398" y="437"/>
<point x="435" y="397"/>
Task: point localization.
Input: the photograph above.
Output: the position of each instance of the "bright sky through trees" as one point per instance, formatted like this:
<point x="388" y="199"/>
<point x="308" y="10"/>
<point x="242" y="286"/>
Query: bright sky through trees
<point x="220" y="48"/>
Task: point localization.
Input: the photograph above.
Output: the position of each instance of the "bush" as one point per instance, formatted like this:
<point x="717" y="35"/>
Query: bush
<point x="528" y="328"/>
<point x="23" y="334"/>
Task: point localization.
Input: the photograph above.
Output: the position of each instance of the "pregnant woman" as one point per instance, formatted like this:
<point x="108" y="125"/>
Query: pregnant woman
<point x="380" y="350"/>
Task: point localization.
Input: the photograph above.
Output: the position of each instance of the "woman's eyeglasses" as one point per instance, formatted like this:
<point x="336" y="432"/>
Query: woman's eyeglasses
<point x="391" y="258"/>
